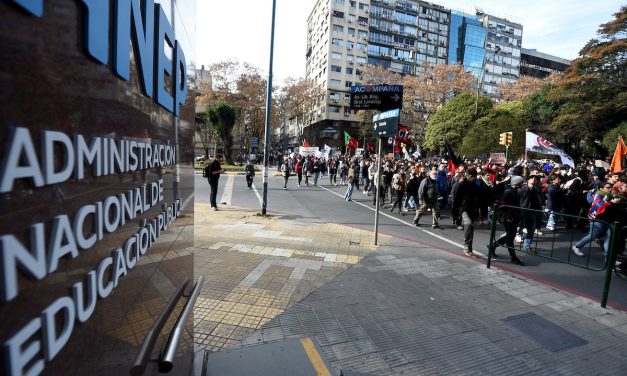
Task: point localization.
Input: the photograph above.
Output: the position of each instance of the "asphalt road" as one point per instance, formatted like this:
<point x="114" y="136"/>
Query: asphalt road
<point x="325" y="204"/>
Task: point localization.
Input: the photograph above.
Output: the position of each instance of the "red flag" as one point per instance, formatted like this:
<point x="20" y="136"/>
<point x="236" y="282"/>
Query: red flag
<point x="619" y="154"/>
<point x="306" y="144"/>
<point x="403" y="135"/>
<point x="349" y="141"/>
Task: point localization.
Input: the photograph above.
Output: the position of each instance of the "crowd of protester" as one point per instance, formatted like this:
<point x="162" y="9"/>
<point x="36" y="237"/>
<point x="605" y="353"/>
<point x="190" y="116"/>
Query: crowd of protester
<point x="533" y="196"/>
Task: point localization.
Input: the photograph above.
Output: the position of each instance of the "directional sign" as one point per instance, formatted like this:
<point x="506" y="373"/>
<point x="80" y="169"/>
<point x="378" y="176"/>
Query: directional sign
<point x="376" y="97"/>
<point x="386" y="123"/>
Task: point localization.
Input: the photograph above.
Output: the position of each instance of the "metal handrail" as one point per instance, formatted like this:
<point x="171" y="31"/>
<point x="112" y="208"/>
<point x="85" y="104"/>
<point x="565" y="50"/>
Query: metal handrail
<point x="143" y="355"/>
<point x="166" y="362"/>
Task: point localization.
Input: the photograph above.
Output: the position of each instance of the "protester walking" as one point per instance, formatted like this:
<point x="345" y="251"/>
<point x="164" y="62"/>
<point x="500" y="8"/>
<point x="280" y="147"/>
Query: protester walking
<point x="428" y="194"/>
<point x="466" y="205"/>
<point x="250" y="173"/>
<point x="212" y="173"/>
<point x="509" y="216"/>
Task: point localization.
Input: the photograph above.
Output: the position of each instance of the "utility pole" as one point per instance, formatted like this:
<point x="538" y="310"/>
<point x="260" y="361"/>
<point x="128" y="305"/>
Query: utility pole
<point x="264" y="204"/>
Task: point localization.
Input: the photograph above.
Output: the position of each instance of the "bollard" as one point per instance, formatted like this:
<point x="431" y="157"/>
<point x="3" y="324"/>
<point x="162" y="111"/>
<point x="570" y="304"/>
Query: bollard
<point x="495" y="208"/>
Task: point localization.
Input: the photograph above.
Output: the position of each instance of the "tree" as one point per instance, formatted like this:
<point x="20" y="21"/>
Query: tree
<point x="594" y="86"/>
<point x="451" y="122"/>
<point x="222" y="117"/>
<point x="205" y="130"/>
<point x="483" y="135"/>
<point x="297" y="100"/>
<point x="609" y="140"/>
<point x="428" y="91"/>
<point x="525" y="87"/>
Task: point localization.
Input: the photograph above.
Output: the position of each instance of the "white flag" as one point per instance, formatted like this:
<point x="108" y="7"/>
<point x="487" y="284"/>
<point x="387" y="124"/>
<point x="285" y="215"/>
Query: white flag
<point x="537" y="144"/>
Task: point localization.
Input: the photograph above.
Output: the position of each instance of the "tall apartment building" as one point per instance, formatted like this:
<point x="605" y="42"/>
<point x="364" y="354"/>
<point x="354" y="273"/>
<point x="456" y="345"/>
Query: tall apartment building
<point x="502" y="60"/>
<point x="538" y="64"/>
<point x="343" y="36"/>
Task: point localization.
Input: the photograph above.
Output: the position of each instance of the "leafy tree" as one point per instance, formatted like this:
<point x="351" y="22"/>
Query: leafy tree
<point x="594" y="87"/>
<point x="451" y="122"/>
<point x="222" y="117"/>
<point x="205" y="130"/>
<point x="611" y="137"/>
<point x="483" y="135"/>
<point x="297" y="100"/>
<point x="430" y="89"/>
<point x="525" y="87"/>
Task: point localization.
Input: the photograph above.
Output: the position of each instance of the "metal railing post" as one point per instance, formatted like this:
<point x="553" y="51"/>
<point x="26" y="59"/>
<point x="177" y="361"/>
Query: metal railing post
<point x="492" y="235"/>
<point x="609" y="264"/>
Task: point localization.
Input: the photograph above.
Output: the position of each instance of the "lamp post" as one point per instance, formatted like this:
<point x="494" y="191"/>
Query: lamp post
<point x="264" y="203"/>
<point x="487" y="58"/>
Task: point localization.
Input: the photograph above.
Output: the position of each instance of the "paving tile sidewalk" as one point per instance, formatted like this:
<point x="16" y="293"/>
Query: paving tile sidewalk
<point x="400" y="309"/>
<point x="256" y="267"/>
<point x="407" y="309"/>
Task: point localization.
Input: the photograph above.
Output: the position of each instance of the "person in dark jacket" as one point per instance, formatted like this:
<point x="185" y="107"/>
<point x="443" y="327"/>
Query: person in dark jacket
<point x="466" y="205"/>
<point x="554" y="201"/>
<point x="212" y="172"/>
<point x="250" y="173"/>
<point x="510" y="218"/>
<point x="530" y="201"/>
<point x="428" y="194"/>
<point x="412" y="190"/>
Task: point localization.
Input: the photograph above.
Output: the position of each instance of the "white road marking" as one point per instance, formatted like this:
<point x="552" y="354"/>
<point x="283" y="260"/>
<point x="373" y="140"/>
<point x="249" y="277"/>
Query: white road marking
<point x="407" y="224"/>
<point x="258" y="195"/>
<point x="228" y="190"/>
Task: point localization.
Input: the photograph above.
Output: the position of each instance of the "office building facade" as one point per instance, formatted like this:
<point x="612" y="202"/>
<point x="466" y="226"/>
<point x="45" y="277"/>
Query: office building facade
<point x="538" y="64"/>
<point x="344" y="36"/>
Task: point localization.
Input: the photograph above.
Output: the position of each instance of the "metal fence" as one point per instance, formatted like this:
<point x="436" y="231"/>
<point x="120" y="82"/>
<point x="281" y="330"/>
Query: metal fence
<point x="559" y="246"/>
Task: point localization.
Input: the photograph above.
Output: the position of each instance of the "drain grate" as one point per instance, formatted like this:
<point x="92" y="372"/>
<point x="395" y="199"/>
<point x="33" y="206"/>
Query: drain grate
<point x="550" y="336"/>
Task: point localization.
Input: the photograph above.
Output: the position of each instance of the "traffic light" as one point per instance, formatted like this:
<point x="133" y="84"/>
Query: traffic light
<point x="508" y="138"/>
<point x="503" y="138"/>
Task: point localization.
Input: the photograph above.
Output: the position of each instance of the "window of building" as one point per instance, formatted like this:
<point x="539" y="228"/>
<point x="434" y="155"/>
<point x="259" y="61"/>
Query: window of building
<point x="348" y="84"/>
<point x="335" y="83"/>
<point x="338" y="28"/>
<point x="358" y="72"/>
<point x="337" y="41"/>
<point x="336" y="56"/>
<point x="361" y="60"/>
<point x="334" y="96"/>
<point x="349" y="70"/>
<point x="351" y="18"/>
<point x="338" y="14"/>
<point x="350" y="58"/>
<point x="363" y="34"/>
<point x="334" y="109"/>
<point x="351" y="32"/>
<point x="363" y="6"/>
<point x="363" y="21"/>
<point x="350" y="44"/>
<point x="339" y="3"/>
<point x="336" y="68"/>
<point x="361" y="46"/>
<point x="353" y="4"/>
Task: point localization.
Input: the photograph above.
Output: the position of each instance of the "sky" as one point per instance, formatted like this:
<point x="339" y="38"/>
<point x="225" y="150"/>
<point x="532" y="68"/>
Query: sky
<point x="240" y="29"/>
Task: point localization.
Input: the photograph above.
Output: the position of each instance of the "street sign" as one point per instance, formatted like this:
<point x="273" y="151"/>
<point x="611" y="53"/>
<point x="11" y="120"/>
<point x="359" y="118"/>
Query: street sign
<point x="386" y="123"/>
<point x="254" y="142"/>
<point x="376" y="97"/>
